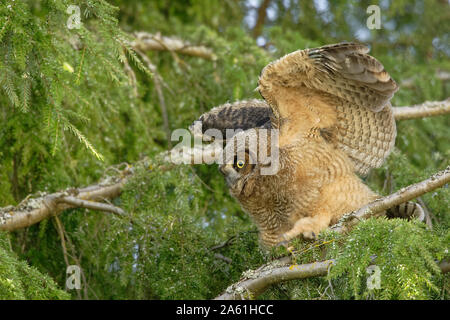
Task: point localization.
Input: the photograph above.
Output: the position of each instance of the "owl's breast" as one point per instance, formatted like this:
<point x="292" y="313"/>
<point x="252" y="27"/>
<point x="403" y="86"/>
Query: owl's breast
<point x="271" y="200"/>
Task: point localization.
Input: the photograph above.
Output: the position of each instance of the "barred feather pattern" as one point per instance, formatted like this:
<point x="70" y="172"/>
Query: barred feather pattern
<point x="366" y="137"/>
<point x="245" y="114"/>
<point x="407" y="210"/>
<point x="352" y="75"/>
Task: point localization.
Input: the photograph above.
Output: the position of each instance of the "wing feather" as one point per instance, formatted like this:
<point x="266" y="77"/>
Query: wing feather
<point x="242" y="115"/>
<point x="339" y="88"/>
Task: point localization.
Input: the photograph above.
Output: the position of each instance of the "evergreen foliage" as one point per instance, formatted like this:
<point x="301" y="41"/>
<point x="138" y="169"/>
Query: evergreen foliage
<point x="69" y="111"/>
<point x="18" y="280"/>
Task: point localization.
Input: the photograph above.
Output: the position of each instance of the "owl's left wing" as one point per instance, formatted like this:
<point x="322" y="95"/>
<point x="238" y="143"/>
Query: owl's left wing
<point x="337" y="91"/>
<point x="243" y="115"/>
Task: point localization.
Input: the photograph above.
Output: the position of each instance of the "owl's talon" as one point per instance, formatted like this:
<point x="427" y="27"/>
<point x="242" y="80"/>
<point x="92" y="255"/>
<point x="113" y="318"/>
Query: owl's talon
<point x="309" y="235"/>
<point x="283" y="243"/>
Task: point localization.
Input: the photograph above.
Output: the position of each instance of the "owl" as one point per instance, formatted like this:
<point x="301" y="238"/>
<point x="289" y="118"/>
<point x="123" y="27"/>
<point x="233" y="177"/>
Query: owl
<point x="330" y="107"/>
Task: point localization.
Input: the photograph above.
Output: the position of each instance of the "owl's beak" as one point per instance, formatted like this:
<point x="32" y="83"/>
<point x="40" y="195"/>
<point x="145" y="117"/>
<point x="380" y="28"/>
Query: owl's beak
<point x="231" y="176"/>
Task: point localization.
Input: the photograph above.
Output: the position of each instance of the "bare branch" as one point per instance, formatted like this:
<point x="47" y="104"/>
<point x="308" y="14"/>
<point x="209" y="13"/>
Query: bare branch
<point x="256" y="282"/>
<point x="157" y="80"/>
<point x="146" y="41"/>
<point x="131" y="74"/>
<point x="93" y="205"/>
<point x="426" y="109"/>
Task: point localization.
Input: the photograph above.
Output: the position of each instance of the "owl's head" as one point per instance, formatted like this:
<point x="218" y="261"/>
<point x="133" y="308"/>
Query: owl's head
<point x="246" y="157"/>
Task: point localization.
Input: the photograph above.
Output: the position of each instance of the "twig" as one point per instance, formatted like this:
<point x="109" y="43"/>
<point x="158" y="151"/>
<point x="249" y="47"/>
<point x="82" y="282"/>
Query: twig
<point x="222" y="257"/>
<point x="62" y="234"/>
<point x="78" y="263"/>
<point x="93" y="205"/>
<point x="59" y="228"/>
<point x="35" y="210"/>
<point x="162" y="102"/>
<point x="131" y="74"/>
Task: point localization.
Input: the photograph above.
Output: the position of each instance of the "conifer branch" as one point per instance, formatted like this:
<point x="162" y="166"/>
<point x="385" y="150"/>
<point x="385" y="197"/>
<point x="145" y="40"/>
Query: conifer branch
<point x="145" y="41"/>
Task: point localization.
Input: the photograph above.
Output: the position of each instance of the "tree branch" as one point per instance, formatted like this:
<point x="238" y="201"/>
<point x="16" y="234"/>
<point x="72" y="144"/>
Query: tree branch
<point x="440" y="75"/>
<point x="145" y="41"/>
<point x="256" y="282"/>
<point x="34" y="210"/>
<point x="93" y="205"/>
<point x="426" y="109"/>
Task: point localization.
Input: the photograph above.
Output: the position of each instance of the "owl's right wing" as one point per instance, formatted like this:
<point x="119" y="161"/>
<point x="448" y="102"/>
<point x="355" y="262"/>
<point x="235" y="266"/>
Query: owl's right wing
<point x="335" y="91"/>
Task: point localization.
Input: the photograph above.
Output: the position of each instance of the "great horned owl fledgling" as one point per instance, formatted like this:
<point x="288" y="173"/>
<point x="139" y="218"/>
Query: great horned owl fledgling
<point x="331" y="107"/>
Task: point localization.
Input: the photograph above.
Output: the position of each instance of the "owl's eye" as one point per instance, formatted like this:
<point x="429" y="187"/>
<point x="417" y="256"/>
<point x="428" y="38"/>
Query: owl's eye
<point x="240" y="164"/>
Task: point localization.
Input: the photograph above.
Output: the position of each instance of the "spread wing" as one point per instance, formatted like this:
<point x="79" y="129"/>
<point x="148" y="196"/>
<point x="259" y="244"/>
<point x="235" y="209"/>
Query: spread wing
<point x="336" y="91"/>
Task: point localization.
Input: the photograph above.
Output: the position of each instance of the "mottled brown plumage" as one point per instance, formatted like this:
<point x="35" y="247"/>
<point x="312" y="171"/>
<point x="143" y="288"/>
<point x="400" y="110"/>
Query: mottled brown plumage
<point x="331" y="106"/>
